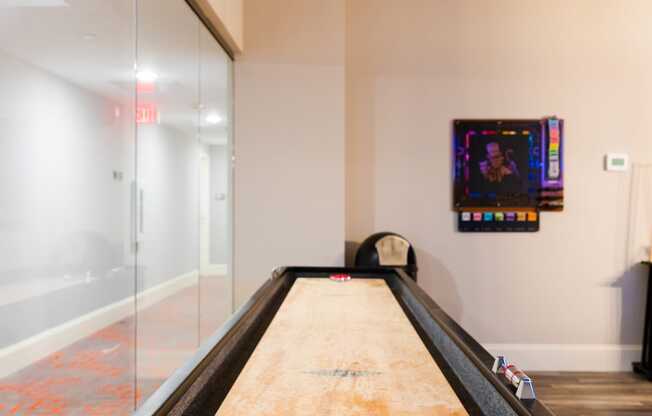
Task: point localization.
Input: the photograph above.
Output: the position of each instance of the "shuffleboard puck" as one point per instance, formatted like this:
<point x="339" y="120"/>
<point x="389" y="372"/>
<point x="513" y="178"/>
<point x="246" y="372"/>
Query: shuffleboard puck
<point x="340" y="277"/>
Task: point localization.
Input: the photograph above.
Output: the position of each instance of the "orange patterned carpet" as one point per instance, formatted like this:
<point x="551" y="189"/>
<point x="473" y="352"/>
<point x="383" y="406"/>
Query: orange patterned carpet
<point x="99" y="368"/>
<point x="96" y="376"/>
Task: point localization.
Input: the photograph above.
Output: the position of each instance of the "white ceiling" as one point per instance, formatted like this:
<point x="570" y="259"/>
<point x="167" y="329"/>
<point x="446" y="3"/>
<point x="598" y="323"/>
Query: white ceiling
<point x="95" y="44"/>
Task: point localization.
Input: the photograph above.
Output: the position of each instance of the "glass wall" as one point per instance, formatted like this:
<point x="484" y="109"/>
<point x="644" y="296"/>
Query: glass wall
<point x="116" y="210"/>
<point x="168" y="188"/>
<point x="215" y="186"/>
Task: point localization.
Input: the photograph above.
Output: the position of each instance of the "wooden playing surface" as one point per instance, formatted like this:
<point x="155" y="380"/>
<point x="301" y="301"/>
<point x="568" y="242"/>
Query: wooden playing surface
<point x="341" y="348"/>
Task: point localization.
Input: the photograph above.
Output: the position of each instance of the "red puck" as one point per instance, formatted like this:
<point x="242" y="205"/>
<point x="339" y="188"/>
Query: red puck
<point x="340" y="277"/>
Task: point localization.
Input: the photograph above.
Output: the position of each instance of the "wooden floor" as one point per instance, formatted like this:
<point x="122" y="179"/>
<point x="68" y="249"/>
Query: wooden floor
<point x="594" y="394"/>
<point x="341" y="348"/>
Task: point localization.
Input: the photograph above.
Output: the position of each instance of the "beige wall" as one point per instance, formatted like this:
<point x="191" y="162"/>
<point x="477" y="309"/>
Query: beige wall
<point x="229" y="21"/>
<point x="289" y="138"/>
<point x="568" y="296"/>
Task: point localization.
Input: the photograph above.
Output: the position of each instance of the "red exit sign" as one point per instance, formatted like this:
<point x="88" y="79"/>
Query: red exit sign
<point x="146" y="114"/>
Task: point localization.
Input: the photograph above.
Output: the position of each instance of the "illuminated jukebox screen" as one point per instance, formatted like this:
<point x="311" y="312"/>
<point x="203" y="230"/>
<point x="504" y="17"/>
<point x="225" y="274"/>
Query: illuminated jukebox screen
<point x="506" y="171"/>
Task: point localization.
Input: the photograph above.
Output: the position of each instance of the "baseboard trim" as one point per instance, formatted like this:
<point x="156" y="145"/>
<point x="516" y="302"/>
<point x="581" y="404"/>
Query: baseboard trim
<point x="24" y="353"/>
<point x="213" y="270"/>
<point x="569" y="357"/>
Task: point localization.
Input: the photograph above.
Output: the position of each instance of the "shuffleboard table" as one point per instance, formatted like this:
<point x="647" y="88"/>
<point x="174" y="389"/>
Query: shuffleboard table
<point x="375" y="344"/>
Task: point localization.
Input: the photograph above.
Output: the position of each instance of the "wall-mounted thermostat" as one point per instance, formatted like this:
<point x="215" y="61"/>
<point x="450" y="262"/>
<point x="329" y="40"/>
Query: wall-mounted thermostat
<point x="617" y="162"/>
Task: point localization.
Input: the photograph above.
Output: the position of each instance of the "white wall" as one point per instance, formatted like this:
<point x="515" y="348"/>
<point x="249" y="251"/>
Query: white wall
<point x="569" y="296"/>
<point x="64" y="220"/>
<point x="50" y="169"/>
<point x="168" y="172"/>
<point x="289" y="139"/>
<point x="62" y="212"/>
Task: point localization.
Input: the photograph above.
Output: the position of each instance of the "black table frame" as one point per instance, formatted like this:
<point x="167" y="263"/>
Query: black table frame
<point x="201" y="385"/>
<point x="643" y="367"/>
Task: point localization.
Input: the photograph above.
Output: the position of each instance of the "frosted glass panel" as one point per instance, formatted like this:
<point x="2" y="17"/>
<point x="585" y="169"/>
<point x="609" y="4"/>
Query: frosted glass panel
<point x="167" y="190"/>
<point x="116" y="203"/>
<point x="67" y="268"/>
<point x="215" y="203"/>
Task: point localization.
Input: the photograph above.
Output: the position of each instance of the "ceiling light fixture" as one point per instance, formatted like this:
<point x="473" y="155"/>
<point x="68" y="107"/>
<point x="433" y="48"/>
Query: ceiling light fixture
<point x="213" y="118"/>
<point x="146" y="76"/>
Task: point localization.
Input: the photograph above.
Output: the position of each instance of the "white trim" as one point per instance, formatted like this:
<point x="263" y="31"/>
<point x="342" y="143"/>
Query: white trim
<point x="18" y="356"/>
<point x="213" y="270"/>
<point x="568" y="357"/>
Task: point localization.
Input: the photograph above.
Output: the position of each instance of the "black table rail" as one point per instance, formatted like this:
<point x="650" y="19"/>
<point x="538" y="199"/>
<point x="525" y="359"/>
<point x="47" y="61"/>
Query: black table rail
<point x="201" y="385"/>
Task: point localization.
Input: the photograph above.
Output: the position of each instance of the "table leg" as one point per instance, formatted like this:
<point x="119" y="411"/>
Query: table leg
<point x="644" y="366"/>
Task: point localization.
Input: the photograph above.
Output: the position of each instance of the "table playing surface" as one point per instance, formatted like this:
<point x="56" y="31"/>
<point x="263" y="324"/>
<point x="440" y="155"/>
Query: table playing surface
<point x="341" y="348"/>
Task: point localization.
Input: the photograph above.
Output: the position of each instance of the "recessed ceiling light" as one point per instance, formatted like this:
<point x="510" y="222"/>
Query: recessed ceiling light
<point x="213" y="118"/>
<point x="146" y="76"/>
<point x="89" y="36"/>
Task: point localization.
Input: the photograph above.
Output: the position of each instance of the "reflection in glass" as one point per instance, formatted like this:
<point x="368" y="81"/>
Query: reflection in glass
<point x="67" y="268"/>
<point x="115" y="215"/>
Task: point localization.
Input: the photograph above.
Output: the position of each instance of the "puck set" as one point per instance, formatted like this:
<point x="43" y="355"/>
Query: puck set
<point x="498" y="221"/>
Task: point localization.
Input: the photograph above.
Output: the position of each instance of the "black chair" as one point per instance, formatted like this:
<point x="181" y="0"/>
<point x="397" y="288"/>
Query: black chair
<point x="387" y="249"/>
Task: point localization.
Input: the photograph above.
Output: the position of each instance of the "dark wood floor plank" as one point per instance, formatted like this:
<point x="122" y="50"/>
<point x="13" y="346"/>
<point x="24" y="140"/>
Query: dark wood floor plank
<point x="594" y="394"/>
